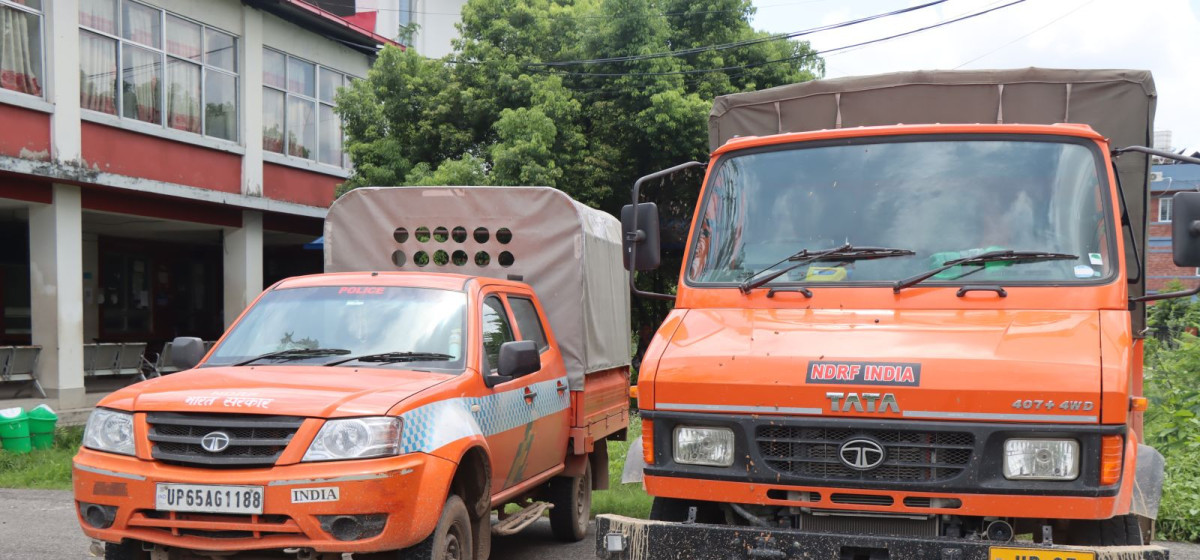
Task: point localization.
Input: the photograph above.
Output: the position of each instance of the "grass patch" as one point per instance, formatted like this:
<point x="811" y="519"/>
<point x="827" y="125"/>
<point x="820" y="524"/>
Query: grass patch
<point x="622" y="499"/>
<point x="48" y="469"/>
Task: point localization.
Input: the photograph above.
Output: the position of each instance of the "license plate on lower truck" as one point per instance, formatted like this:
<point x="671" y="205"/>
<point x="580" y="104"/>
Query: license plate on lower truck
<point x="999" y="553"/>
<point x="205" y="498"/>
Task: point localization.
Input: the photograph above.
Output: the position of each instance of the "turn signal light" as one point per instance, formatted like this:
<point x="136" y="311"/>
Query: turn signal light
<point x="1111" y="448"/>
<point x="633" y="391"/>
<point x="1138" y="404"/>
<point x="648" y="441"/>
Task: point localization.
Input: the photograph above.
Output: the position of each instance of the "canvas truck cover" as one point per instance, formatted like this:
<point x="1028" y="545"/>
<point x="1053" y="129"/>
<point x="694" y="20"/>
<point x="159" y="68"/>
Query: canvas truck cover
<point x="1118" y="104"/>
<point x="569" y="253"/>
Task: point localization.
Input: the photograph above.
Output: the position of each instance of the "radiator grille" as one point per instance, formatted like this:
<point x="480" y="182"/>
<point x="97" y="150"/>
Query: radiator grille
<point x="914" y="457"/>
<point x="253" y="440"/>
<point x="895" y="526"/>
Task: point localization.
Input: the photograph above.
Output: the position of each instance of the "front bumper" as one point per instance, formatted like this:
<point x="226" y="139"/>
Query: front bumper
<point x="405" y="488"/>
<point x="696" y="541"/>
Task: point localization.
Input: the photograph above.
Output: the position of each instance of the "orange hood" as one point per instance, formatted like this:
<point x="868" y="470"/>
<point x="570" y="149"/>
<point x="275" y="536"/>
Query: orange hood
<point x="954" y="365"/>
<point x="313" y="391"/>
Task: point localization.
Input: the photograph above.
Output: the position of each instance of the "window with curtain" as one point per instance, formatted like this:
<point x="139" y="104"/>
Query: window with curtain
<point x="173" y="72"/>
<point x="21" y="46"/>
<point x="298" y="115"/>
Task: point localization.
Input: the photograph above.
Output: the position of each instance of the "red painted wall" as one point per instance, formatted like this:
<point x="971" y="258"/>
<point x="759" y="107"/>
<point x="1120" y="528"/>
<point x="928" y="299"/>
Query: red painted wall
<point x="129" y="153"/>
<point x="167" y="208"/>
<point x="24" y="129"/>
<point x="281" y="182"/>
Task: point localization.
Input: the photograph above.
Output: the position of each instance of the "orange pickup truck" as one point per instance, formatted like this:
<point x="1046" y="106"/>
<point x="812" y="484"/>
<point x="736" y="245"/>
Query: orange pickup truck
<point x="897" y="341"/>
<point x="391" y="404"/>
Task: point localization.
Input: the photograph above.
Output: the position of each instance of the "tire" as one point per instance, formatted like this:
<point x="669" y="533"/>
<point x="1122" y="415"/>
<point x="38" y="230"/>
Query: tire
<point x="572" y="499"/>
<point x="1123" y="530"/>
<point x="676" y="510"/>
<point x="128" y="550"/>
<point x="450" y="540"/>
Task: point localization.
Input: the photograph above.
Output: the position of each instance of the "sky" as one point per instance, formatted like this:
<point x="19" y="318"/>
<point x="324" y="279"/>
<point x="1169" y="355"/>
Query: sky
<point x="1162" y="36"/>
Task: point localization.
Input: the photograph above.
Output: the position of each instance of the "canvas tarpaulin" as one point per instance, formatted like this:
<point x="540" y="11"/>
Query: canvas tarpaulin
<point x="1116" y="103"/>
<point x="570" y="254"/>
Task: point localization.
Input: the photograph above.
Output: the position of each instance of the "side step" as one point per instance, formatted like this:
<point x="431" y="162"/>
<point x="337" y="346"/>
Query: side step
<point x="512" y="523"/>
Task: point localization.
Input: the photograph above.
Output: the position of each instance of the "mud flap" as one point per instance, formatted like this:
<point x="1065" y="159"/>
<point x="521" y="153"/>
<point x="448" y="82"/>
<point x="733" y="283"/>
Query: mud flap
<point x="1148" y="482"/>
<point x="624" y="538"/>
<point x="634" y="463"/>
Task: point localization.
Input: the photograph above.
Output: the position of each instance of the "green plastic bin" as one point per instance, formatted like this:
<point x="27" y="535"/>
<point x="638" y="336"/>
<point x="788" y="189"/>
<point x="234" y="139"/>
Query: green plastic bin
<point x="42" y="421"/>
<point x="14" y="430"/>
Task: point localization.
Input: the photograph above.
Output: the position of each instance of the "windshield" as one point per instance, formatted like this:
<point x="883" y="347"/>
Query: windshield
<point x="942" y="199"/>
<point x="360" y="320"/>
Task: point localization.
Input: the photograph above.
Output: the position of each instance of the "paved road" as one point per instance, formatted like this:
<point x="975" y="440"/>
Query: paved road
<point x="40" y="525"/>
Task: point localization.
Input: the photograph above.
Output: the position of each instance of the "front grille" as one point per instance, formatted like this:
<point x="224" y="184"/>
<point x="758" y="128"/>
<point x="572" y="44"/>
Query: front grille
<point x="253" y="440"/>
<point x="819" y="521"/>
<point x="913" y="457"/>
<point x="214" y="525"/>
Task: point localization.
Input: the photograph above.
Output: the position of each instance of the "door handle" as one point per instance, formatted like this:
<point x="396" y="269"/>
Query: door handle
<point x="530" y="394"/>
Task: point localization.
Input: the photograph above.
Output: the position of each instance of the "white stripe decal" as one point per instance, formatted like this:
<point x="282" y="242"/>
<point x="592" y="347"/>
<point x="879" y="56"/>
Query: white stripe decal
<point x="439" y="423"/>
<point x="109" y="473"/>
<point x="994" y="416"/>
<point x="734" y="408"/>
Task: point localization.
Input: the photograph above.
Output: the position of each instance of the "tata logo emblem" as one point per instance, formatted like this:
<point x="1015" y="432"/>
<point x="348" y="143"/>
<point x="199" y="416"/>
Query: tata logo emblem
<point x="215" y="442"/>
<point x="862" y="454"/>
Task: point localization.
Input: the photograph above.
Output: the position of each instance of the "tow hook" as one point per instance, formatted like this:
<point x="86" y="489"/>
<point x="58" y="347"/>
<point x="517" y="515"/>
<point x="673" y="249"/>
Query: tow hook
<point x="310" y="554"/>
<point x="96" y="549"/>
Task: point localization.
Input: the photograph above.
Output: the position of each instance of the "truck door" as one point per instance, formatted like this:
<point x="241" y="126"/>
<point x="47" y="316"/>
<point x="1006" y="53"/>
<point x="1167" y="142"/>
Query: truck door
<point x="552" y="411"/>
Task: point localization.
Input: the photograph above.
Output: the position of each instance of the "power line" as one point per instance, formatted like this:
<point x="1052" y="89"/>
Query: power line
<point x="1048" y="24"/>
<point x="791" y="58"/>
<point x="738" y="44"/>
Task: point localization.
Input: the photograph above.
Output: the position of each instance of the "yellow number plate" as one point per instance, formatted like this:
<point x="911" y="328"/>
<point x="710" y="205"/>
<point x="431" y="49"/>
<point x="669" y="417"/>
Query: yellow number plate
<point x="998" y="553"/>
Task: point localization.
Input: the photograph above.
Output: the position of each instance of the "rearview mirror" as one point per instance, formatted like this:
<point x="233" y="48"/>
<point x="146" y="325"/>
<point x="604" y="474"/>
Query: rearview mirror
<point x="186" y="352"/>
<point x="645" y="236"/>
<point x="519" y="358"/>
<point x="1185" y="228"/>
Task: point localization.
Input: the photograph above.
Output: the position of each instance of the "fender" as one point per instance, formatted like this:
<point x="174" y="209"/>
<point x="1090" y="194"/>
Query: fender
<point x="1148" y="482"/>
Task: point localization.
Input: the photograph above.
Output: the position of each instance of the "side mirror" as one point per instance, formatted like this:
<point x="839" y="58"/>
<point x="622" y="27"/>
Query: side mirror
<point x="1185" y="228"/>
<point x="186" y="352"/>
<point x="519" y="358"/>
<point x="645" y="236"/>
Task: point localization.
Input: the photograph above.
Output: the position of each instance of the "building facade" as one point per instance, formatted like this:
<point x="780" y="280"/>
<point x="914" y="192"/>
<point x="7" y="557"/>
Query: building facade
<point x="432" y="21"/>
<point x="1165" y="181"/>
<point x="160" y="162"/>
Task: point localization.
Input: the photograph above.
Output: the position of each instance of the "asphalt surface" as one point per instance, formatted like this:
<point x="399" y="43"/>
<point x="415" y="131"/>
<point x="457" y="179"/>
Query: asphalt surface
<point x="41" y="525"/>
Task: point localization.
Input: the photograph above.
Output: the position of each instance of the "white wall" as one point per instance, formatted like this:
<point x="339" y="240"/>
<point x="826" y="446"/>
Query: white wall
<point x="283" y="36"/>
<point x="437" y="29"/>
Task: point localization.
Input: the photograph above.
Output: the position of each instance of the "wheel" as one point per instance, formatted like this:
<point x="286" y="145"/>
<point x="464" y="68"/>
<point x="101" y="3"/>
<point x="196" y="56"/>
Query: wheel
<point x="672" y="509"/>
<point x="572" y="499"/>
<point x="128" y="550"/>
<point x="1122" y="530"/>
<point x="450" y="540"/>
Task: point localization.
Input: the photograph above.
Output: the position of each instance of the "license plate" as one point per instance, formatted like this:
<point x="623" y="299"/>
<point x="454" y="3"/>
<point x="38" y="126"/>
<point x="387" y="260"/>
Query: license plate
<point x="1000" y="553"/>
<point x="204" y="498"/>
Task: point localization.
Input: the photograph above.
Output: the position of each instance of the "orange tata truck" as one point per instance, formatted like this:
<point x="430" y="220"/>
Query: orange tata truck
<point x="908" y="324"/>
<point x="467" y="349"/>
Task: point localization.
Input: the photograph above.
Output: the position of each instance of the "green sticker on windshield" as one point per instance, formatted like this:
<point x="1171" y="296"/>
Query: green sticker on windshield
<point x="1096" y="259"/>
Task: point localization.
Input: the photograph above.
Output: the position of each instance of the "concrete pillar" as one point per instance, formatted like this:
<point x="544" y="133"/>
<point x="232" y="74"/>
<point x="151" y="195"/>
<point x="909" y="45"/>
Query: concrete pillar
<point x="243" y="264"/>
<point x="62" y="65"/>
<point x="56" y="286"/>
<point x="251" y="78"/>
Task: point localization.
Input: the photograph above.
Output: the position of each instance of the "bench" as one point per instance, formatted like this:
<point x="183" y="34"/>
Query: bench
<point x="20" y="363"/>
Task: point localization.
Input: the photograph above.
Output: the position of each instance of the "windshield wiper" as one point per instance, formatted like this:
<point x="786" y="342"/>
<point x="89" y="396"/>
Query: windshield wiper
<point x="1014" y="257"/>
<point x="295" y="354"/>
<point x="846" y="253"/>
<point x="390" y="357"/>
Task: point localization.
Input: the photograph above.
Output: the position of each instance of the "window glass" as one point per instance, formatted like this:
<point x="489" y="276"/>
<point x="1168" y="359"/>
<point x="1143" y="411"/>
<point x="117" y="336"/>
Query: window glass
<point x="496" y="331"/>
<point x="528" y="321"/>
<point x="274" y="64"/>
<point x="301" y="128"/>
<point x="183" y="38"/>
<point x="220" y="52"/>
<point x="220" y="105"/>
<point x="273" y="109"/>
<point x="141" y="76"/>
<point x="21" y="51"/>
<point x="331" y="136"/>
<point x="183" y="95"/>
<point x="142" y="24"/>
<point x="35" y="4"/>
<point x="330" y="82"/>
<point x="97" y="73"/>
<point x="1164" y="209"/>
<point x="301" y="77"/>
<point x="100" y="15"/>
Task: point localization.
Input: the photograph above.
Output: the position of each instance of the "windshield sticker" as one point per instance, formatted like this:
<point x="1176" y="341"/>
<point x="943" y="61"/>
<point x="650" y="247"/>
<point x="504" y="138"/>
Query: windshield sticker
<point x="361" y="290"/>
<point x="1084" y="271"/>
<point x="1096" y="259"/>
<point x="864" y="373"/>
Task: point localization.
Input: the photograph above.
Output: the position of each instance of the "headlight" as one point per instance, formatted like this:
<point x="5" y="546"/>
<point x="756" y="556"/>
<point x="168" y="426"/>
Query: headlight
<point x="355" y="438"/>
<point x="704" y="446"/>
<point x="109" y="430"/>
<point x="1041" y="459"/>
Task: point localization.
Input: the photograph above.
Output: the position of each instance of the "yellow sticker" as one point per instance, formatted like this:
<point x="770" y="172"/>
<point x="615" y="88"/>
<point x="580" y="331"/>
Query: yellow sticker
<point x="999" y="553"/>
